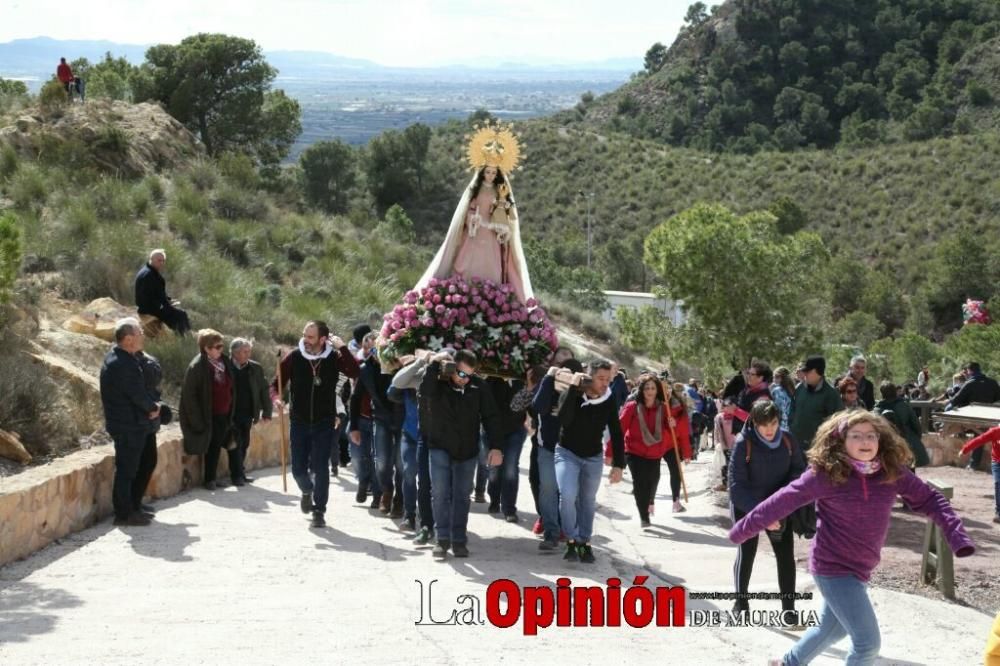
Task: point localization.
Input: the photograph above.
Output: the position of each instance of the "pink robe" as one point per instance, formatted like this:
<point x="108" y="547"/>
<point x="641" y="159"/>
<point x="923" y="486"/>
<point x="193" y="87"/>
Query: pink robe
<point x="483" y="255"/>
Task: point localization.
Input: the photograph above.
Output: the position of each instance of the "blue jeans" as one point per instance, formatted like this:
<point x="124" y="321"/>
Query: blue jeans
<point x="451" y="483"/>
<point x="388" y="460"/>
<point x="362" y="458"/>
<point x="548" y="493"/>
<point x="311" y="444"/>
<point x="996" y="486"/>
<point x="846" y="611"/>
<point x="413" y="468"/>
<point x="504" y="479"/>
<point x="578" y="479"/>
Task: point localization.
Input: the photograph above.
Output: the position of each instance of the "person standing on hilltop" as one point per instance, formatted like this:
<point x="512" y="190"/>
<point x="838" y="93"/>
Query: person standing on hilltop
<point x="65" y="75"/>
<point x="151" y="294"/>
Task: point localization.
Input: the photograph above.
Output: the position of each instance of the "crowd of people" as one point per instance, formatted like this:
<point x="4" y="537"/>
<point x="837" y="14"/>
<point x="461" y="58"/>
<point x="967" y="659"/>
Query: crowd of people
<point x="427" y="436"/>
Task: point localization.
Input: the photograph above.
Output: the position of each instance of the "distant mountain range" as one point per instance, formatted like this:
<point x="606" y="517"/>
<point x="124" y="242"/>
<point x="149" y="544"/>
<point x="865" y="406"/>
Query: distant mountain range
<point x="37" y="57"/>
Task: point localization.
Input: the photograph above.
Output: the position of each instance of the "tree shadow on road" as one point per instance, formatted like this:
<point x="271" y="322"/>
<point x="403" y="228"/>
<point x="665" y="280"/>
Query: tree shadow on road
<point x="24" y="610"/>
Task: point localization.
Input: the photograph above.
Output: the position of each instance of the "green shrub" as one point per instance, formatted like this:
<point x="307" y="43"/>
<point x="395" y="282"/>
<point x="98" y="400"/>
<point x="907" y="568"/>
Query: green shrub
<point x="80" y="220"/>
<point x="52" y="98"/>
<point x="233" y="203"/>
<point x="174" y="352"/>
<point x="10" y="255"/>
<point x="203" y="175"/>
<point x="191" y="201"/>
<point x="8" y="163"/>
<point x="154" y="185"/>
<point x="111" y="140"/>
<point x="141" y="199"/>
<point x="112" y="200"/>
<point x="185" y="225"/>
<point x="28" y="188"/>
<point x="239" y="170"/>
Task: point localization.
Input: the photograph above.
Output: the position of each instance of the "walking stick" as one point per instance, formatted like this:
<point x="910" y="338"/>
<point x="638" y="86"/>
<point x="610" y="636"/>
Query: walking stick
<point x="677" y="453"/>
<point x="284" y="430"/>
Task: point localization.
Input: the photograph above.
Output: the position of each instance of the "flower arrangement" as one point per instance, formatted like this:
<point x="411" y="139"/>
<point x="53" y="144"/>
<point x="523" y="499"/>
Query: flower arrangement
<point x="975" y="312"/>
<point x="486" y="318"/>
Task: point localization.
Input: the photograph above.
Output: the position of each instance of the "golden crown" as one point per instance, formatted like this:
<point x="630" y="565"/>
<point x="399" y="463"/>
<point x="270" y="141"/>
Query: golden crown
<point x="494" y="145"/>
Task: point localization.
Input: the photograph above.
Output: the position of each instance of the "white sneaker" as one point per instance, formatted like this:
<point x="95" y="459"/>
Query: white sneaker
<point x="678" y="507"/>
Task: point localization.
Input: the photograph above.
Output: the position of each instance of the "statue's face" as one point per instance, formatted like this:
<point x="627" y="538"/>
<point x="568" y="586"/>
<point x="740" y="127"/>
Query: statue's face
<point x="489" y="174"/>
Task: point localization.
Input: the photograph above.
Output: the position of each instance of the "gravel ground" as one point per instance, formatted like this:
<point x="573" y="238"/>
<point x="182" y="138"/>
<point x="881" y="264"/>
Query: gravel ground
<point x="977" y="578"/>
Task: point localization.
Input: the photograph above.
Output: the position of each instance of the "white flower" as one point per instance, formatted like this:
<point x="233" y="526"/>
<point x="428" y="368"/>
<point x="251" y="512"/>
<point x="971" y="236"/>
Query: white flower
<point x="516" y="354"/>
<point x="494" y="333"/>
<point x="461" y="332"/>
<point x="435" y="343"/>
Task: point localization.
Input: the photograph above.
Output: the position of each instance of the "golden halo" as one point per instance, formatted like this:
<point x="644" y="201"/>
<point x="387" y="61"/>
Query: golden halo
<point x="494" y="146"/>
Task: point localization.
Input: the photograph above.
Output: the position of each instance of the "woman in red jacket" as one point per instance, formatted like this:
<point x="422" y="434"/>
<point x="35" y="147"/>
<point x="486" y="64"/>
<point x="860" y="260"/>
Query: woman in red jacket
<point x="647" y="423"/>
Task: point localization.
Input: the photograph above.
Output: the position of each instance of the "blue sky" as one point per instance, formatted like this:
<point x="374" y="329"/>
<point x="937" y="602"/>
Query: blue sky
<point x="391" y="32"/>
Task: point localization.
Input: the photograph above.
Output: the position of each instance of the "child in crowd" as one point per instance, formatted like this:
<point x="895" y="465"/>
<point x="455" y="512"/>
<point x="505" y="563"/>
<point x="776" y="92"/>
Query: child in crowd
<point x="993" y="437"/>
<point x="857" y="466"/>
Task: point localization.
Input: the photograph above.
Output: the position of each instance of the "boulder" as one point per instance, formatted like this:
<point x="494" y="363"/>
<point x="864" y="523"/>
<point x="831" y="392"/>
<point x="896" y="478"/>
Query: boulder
<point x="12" y="449"/>
<point x="98" y="318"/>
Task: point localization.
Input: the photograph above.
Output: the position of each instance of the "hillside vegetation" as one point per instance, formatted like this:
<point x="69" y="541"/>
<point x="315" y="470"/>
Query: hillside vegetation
<point x="784" y="74"/>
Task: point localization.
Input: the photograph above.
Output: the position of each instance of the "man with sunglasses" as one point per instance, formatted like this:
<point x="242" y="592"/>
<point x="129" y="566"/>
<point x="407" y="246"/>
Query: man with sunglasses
<point x="310" y="375"/>
<point x="458" y="404"/>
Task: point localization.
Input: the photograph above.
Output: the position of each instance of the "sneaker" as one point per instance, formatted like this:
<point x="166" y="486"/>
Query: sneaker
<point x="645" y="523"/>
<point x="548" y="545"/>
<point x="511" y="518"/>
<point x="409" y="524"/>
<point x="537" y="527"/>
<point x="306" y="503"/>
<point x="248" y="479"/>
<point x="211" y="485"/>
<point x="480" y="498"/>
<point x="376" y="499"/>
<point x="494" y="507"/>
<point x="441" y="549"/>
<point x="586" y="554"/>
<point x="239" y="482"/>
<point x="678" y="507"/>
<point x="460" y="550"/>
<point x="423" y="536"/>
<point x="571" y="554"/>
<point x="361" y="496"/>
<point x="317" y="520"/>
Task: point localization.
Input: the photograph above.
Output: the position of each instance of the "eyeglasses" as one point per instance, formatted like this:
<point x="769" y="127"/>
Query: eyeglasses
<point x="863" y="437"/>
<point x="462" y="374"/>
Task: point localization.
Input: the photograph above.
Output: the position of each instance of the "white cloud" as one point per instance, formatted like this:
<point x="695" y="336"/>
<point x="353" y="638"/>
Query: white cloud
<point x="394" y="32"/>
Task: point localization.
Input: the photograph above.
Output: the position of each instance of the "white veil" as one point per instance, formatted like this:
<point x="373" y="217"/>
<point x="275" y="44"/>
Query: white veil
<point x="444" y="261"/>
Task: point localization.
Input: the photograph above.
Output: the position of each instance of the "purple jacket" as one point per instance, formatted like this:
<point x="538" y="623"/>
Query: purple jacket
<point x="853" y="518"/>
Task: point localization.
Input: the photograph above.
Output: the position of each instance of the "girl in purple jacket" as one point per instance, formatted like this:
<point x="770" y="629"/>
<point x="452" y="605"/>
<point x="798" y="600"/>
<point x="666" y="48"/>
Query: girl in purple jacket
<point x="857" y="466"/>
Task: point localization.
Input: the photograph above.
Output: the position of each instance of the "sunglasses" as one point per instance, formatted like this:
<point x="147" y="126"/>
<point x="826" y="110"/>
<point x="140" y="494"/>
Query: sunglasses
<point x="461" y="374"/>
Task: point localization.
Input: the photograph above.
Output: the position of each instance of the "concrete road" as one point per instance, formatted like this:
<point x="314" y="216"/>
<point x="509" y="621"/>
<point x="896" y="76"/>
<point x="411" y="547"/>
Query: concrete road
<point x="236" y="576"/>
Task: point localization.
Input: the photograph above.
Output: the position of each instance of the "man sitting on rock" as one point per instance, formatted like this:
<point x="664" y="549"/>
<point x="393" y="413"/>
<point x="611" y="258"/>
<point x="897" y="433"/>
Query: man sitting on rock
<point x="151" y="294"/>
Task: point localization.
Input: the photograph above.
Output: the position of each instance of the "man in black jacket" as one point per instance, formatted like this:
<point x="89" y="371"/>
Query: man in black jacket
<point x="978" y="388"/>
<point x="504" y="480"/>
<point x="151" y="294"/>
<point x="458" y="405"/>
<point x="129" y="410"/>
<point x="252" y="403"/>
<point x="585" y="410"/>
<point x="310" y="376"/>
<point x="857" y="371"/>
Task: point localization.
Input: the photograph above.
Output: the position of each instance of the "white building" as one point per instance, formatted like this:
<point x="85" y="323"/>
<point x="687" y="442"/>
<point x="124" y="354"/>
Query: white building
<point x="638" y="299"/>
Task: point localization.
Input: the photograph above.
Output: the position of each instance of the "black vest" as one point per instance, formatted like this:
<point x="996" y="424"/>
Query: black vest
<point x="313" y="404"/>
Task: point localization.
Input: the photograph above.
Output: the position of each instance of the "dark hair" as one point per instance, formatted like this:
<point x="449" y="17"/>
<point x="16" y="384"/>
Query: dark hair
<point x="536" y="374"/>
<point x="763" y="370"/>
<point x="846" y="383"/>
<point x="572" y="364"/>
<point x="499" y="180"/>
<point x="640" y="384"/>
<point x="888" y="390"/>
<point x="321" y="328"/>
<point x="360" y="331"/>
<point x="467" y="357"/>
<point x="781" y="375"/>
<point x="599" y="364"/>
<point x="973" y="367"/>
<point x="764" y="411"/>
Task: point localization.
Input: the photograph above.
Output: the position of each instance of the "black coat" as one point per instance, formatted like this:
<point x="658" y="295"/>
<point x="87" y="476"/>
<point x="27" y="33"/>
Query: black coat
<point x="126" y="401"/>
<point x="457" y="416"/>
<point x="150" y="291"/>
<point x="152" y="375"/>
<point x="979" y="388"/>
<point x="196" y="404"/>
<point x="375" y="384"/>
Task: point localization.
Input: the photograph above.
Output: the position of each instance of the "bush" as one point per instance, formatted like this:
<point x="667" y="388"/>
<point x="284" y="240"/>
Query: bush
<point x="111" y="140"/>
<point x="8" y="163"/>
<point x="174" y="352"/>
<point x="203" y="175"/>
<point x="154" y="185"/>
<point x="191" y="201"/>
<point x="10" y="254"/>
<point x="239" y="169"/>
<point x="112" y="200"/>
<point x="28" y="189"/>
<point x="52" y="98"/>
<point x="232" y="203"/>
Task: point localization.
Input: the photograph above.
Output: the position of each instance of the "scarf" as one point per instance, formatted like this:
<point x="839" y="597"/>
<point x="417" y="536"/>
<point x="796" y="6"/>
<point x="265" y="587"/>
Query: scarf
<point x="311" y="357"/>
<point x="866" y="468"/>
<point x="655" y="437"/>
<point x="218" y="371"/>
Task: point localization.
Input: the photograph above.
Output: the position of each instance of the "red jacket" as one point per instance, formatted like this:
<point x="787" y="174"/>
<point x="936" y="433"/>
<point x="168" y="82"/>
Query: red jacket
<point x="64" y="73"/>
<point x="629" y="417"/>
<point x="991" y="435"/>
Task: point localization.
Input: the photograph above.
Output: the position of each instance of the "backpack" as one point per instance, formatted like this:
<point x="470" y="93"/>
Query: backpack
<point x="803" y="519"/>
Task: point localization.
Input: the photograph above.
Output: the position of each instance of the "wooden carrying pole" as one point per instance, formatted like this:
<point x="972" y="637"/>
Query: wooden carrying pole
<point x="284" y="428"/>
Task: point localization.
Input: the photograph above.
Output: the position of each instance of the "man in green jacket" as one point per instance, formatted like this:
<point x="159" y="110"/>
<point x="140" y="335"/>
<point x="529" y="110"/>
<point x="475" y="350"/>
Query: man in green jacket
<point x="815" y="401"/>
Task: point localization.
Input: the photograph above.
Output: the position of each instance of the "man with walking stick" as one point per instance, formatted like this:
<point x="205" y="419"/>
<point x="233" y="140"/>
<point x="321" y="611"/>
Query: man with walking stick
<point x="309" y="374"/>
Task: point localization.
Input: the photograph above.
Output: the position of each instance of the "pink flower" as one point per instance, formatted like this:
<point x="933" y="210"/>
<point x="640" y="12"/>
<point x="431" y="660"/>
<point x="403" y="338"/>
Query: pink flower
<point x="531" y="302"/>
<point x="434" y="282"/>
<point x="452" y="289"/>
<point x="436" y="298"/>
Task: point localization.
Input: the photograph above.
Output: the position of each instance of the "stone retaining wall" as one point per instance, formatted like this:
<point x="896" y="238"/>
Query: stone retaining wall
<point x="73" y="493"/>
